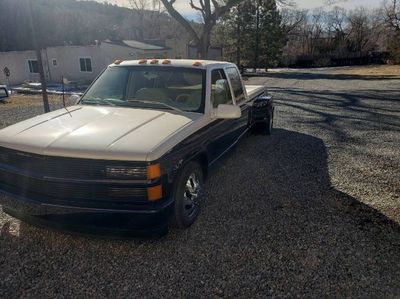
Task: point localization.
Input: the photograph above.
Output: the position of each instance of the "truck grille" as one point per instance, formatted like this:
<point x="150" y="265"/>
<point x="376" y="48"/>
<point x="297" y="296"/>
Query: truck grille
<point x="74" y="168"/>
<point x="71" y="180"/>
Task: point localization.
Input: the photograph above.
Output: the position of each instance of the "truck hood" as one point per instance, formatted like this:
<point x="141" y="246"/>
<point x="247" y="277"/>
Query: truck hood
<point x="91" y="132"/>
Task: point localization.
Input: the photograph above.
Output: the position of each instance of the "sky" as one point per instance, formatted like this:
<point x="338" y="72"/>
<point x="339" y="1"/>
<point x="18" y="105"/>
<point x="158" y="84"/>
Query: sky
<point x="349" y="4"/>
<point x="183" y="5"/>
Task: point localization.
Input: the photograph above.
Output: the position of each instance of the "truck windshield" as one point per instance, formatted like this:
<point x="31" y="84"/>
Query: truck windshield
<point x="149" y="87"/>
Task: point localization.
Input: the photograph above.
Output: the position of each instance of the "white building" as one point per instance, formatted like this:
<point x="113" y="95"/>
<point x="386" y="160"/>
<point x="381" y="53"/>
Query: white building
<point x="76" y="63"/>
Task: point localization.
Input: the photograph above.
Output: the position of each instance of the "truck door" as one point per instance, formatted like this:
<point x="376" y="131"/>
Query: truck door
<point x="238" y="125"/>
<point x="222" y="132"/>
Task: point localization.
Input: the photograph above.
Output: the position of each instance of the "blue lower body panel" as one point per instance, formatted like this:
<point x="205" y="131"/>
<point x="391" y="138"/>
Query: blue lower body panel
<point x="111" y="223"/>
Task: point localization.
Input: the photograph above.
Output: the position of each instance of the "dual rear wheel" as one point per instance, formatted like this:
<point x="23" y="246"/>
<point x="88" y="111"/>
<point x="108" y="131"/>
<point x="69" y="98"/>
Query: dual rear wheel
<point x="265" y="127"/>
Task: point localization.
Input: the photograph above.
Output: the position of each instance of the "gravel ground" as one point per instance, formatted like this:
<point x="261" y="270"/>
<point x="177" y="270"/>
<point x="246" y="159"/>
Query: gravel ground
<point x="311" y="212"/>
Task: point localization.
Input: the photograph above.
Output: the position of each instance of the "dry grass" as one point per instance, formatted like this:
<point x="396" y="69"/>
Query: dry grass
<point x="20" y="100"/>
<point x="388" y="71"/>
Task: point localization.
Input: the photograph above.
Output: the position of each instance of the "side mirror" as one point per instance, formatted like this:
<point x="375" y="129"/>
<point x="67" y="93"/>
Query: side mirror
<point x="221" y="84"/>
<point x="3" y="93"/>
<point x="73" y="100"/>
<point x="228" y="112"/>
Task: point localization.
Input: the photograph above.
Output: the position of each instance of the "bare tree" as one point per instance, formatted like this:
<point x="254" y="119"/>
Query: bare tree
<point x="148" y="12"/>
<point x="393" y="14"/>
<point x="338" y="18"/>
<point x="359" y="29"/>
<point x="211" y="11"/>
<point x="291" y="20"/>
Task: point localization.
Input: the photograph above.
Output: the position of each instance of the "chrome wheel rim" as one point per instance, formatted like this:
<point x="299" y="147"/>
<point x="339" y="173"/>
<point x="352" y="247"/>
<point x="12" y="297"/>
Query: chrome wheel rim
<point x="191" y="195"/>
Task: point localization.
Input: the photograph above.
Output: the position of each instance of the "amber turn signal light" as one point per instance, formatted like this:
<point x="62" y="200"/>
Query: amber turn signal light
<point x="118" y="61"/>
<point x="197" y="63"/>
<point x="166" y="61"/>
<point x="153" y="171"/>
<point x="142" y="61"/>
<point x="154" y="193"/>
<point x="154" y="61"/>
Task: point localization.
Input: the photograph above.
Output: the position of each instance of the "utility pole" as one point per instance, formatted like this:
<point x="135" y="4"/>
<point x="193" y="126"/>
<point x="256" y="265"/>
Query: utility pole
<point x="39" y="59"/>
<point x="257" y="36"/>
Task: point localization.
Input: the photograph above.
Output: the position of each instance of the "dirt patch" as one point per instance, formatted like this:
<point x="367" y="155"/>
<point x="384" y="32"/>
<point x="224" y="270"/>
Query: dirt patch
<point x="373" y="71"/>
<point x="22" y="100"/>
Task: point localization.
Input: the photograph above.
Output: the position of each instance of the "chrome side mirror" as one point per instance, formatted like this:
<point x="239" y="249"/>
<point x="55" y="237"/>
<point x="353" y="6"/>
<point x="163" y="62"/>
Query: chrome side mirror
<point x="222" y="84"/>
<point x="224" y="111"/>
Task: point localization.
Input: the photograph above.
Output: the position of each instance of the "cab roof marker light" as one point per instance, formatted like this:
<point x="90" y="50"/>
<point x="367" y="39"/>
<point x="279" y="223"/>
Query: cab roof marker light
<point x="118" y="61"/>
<point x="154" y="61"/>
<point x="166" y="61"/>
<point x="197" y="63"/>
<point x="142" y="61"/>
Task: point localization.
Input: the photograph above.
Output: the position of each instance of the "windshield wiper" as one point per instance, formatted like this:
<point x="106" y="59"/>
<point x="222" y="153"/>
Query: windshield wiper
<point x="97" y="101"/>
<point x="157" y="103"/>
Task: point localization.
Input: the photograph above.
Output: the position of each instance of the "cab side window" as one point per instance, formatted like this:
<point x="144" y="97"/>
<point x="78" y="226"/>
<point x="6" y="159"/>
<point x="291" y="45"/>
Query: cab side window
<point x="220" y="91"/>
<point x="236" y="82"/>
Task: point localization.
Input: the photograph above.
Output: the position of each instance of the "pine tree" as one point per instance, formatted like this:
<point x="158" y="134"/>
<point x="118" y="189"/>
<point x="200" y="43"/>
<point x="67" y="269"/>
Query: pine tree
<point x="249" y="38"/>
<point x="271" y="34"/>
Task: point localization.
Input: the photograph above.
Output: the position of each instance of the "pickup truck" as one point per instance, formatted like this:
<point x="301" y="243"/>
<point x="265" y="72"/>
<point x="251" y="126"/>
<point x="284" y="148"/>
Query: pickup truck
<point x="132" y="153"/>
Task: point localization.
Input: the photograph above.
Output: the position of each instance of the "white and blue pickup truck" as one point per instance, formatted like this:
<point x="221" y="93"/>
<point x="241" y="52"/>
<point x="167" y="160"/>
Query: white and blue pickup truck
<point x="132" y="153"/>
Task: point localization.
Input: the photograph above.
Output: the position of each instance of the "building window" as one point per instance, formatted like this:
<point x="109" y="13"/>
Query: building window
<point x="86" y="64"/>
<point x="55" y="63"/>
<point x="33" y="66"/>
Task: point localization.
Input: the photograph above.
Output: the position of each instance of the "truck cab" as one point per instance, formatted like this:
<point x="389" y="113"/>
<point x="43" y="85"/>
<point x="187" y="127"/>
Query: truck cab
<point x="133" y="152"/>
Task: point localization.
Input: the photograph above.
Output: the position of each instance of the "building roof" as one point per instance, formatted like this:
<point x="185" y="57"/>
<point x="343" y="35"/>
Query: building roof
<point x="136" y="45"/>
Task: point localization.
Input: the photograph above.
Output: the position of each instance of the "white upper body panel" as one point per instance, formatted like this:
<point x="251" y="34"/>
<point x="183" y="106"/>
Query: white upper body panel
<point x="91" y="132"/>
<point x="113" y="133"/>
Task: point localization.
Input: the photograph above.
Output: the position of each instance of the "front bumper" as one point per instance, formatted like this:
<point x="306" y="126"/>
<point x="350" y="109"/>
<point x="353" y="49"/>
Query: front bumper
<point x="114" y="223"/>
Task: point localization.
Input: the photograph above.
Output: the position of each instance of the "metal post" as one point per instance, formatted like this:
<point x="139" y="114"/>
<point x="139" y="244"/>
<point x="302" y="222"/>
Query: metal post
<point x="43" y="83"/>
<point x="63" y="90"/>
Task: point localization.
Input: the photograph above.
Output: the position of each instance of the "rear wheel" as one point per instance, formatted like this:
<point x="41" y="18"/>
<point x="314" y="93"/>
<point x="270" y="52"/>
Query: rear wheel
<point x="188" y="195"/>
<point x="269" y="124"/>
<point x="265" y="127"/>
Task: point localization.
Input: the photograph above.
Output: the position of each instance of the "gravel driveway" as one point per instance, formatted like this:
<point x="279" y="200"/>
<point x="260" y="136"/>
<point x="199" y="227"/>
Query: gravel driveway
<point x="312" y="211"/>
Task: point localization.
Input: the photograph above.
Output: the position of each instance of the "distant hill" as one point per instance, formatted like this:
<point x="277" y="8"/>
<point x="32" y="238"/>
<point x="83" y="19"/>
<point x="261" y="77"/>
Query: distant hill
<point x="71" y="22"/>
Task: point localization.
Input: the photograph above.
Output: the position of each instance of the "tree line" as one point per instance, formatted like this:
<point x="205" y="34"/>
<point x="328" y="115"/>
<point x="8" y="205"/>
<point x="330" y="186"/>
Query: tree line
<point x="257" y="33"/>
<point x="261" y="33"/>
<point x="71" y="22"/>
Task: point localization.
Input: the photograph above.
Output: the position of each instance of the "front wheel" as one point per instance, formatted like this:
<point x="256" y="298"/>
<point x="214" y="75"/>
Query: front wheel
<point x="188" y="195"/>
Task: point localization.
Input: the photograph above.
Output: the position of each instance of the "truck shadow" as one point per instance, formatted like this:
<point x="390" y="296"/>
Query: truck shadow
<point x="271" y="225"/>
<point x="275" y="201"/>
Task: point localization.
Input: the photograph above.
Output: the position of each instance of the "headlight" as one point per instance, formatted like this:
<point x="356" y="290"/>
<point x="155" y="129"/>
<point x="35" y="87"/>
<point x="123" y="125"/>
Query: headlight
<point x="122" y="172"/>
<point x="151" y="172"/>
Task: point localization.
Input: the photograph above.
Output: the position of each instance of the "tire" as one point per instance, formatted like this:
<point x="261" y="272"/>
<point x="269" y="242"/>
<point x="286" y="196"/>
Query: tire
<point x="265" y="127"/>
<point x="269" y="125"/>
<point x="187" y="200"/>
